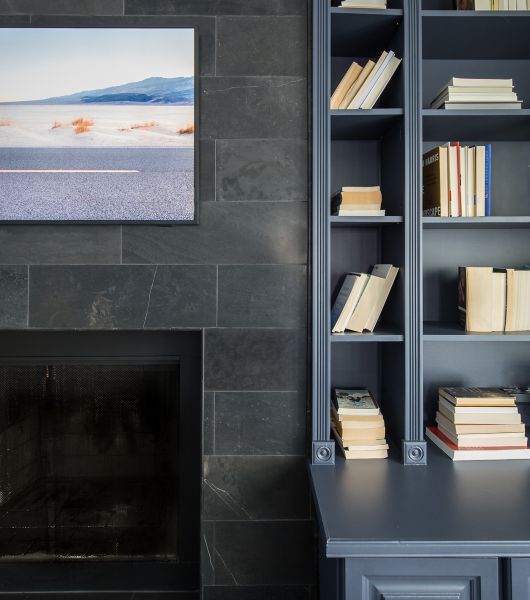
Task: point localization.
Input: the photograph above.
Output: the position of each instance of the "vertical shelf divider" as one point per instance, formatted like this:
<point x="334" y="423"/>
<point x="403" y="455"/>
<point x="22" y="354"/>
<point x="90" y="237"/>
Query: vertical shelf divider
<point x="414" y="445"/>
<point x="323" y="449"/>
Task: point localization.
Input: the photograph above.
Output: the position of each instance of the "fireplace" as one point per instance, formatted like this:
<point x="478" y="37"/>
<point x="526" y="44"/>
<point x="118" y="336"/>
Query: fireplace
<point x="100" y="470"/>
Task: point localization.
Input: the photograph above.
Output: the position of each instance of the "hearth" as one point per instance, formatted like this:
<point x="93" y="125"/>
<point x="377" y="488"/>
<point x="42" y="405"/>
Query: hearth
<point x="100" y="448"/>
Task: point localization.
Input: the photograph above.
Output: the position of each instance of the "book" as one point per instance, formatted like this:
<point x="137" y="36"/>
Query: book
<point x="476" y="396"/>
<point x="351" y="93"/>
<point x="478" y="428"/>
<point x="453" y="183"/>
<point x="449" y="408"/>
<point x="354" y="402"/>
<point x="475" y="298"/>
<point x="479" y="441"/>
<point x="435" y="183"/>
<point x="381" y="83"/>
<point x="345" y="84"/>
<point x="369" y="307"/>
<point x="345" y="212"/>
<point x="485" y="453"/>
<point x="459" y="188"/>
<point x="369" y="83"/>
<point x="346" y="300"/>
<point x="480" y="418"/>
<point x="388" y="273"/>
<point x="480" y="181"/>
<point x="366" y="434"/>
<point x="353" y="199"/>
<point x="487" y="184"/>
<point x="499" y="300"/>
<point x="470" y="180"/>
<point x="482" y="105"/>
<point x="468" y="82"/>
<point x="517" y="300"/>
<point x="474" y="97"/>
<point x="352" y="453"/>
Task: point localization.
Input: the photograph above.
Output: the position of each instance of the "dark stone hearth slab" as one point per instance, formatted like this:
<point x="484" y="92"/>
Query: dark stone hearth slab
<point x="64" y="244"/>
<point x="63" y="7"/>
<point x="235" y="487"/>
<point x="228" y="233"/>
<point x="262" y="592"/>
<point x="253" y="107"/>
<point x="267" y="42"/>
<point x="260" y="423"/>
<point x="267" y="296"/>
<point x="216" y="7"/>
<point x="261" y="170"/>
<point x="255" y="359"/>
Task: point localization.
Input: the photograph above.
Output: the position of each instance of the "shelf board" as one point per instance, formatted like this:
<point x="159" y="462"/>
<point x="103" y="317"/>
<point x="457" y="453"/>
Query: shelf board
<point x="363" y="124"/>
<point x="452" y="332"/>
<point x="475" y="222"/>
<point x="472" y="33"/>
<point x="362" y="31"/>
<point x="380" y="335"/>
<point x="476" y="125"/>
<point x="364" y="221"/>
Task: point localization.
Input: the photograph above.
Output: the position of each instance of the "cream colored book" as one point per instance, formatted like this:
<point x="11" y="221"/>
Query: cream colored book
<point x="470" y="180"/>
<point x="381" y="83"/>
<point x="389" y="274"/>
<point x="351" y="93"/>
<point x="481" y="418"/>
<point x="480" y="178"/>
<point x="479" y="299"/>
<point x="363" y="310"/>
<point x="375" y="72"/>
<point x="452" y="178"/>
<point x="517" y="300"/>
<point x="478" y="429"/>
<point x="345" y="84"/>
<point x="499" y="300"/>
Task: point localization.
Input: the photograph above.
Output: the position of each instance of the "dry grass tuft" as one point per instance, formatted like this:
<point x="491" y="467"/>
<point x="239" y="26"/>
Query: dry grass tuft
<point x="57" y="125"/>
<point x="188" y="129"/>
<point x="82" y="125"/>
<point x="146" y="125"/>
<point x="5" y="122"/>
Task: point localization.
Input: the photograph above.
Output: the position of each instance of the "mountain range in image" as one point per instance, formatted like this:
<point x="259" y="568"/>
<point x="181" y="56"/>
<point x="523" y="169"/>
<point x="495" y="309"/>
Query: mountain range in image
<point x="153" y="90"/>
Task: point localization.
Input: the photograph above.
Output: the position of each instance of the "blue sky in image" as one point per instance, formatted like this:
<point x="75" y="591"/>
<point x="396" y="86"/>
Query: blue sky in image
<point x="43" y="63"/>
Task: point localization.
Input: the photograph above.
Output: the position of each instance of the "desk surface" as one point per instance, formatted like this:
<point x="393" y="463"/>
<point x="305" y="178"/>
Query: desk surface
<point x="382" y="508"/>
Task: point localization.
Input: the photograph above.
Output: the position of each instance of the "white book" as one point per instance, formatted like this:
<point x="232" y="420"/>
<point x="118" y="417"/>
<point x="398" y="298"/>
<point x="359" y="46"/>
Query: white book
<point x="367" y="86"/>
<point x="474" y="97"/>
<point x="470" y="182"/>
<point x="468" y="82"/>
<point x="482" y="105"/>
<point x="345" y="212"/>
<point x="381" y="83"/>
<point x="452" y="178"/>
<point x="521" y="5"/>
<point x="475" y="410"/>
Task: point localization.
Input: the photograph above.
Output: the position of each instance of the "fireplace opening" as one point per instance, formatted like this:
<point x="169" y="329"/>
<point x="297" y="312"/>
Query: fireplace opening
<point x="89" y="467"/>
<point x="100" y="460"/>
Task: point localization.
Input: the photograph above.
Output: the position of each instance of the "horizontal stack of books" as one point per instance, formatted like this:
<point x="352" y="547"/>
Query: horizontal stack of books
<point x="478" y="424"/>
<point x="474" y="94"/>
<point x="358" y="425"/>
<point x="361" y="299"/>
<point x="358" y="202"/>
<point x="493" y="4"/>
<point x="361" y="86"/>
<point x="491" y="299"/>
<point x="379" y="4"/>
<point x="457" y="181"/>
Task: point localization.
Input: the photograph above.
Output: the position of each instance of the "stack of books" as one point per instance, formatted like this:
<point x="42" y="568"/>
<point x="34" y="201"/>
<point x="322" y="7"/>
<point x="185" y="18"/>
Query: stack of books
<point x="361" y="299"/>
<point x="493" y="4"/>
<point x="358" y="202"/>
<point x="491" y="299"/>
<point x="358" y="425"/>
<point x="379" y="4"/>
<point x="457" y="181"/>
<point x="474" y="94"/>
<point x="478" y="424"/>
<point x="361" y="87"/>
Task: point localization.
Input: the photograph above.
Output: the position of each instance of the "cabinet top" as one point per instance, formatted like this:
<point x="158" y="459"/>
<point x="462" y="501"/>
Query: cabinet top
<point x="382" y="508"/>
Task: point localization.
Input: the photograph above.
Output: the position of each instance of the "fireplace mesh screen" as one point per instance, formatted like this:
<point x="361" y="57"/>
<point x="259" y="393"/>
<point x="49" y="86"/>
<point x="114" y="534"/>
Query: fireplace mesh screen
<point x="88" y="461"/>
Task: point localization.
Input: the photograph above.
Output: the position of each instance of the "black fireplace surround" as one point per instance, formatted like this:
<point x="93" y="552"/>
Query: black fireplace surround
<point x="100" y="461"/>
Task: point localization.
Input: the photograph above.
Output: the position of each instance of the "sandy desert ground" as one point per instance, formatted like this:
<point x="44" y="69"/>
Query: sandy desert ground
<point x="90" y="126"/>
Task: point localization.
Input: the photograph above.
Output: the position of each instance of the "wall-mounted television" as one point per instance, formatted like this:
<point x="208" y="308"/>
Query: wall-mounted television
<point x="98" y="125"/>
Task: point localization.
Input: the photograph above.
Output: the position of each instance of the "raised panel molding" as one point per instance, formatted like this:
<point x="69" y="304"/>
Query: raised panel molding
<point x="520" y="578"/>
<point x="421" y="588"/>
<point x="421" y="579"/>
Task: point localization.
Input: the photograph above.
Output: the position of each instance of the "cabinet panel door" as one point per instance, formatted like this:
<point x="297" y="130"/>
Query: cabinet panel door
<point x="421" y="579"/>
<point x="520" y="578"/>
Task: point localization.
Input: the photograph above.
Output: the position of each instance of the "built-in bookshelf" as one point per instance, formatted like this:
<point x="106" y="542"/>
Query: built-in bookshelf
<point x="416" y="524"/>
<point x="406" y="357"/>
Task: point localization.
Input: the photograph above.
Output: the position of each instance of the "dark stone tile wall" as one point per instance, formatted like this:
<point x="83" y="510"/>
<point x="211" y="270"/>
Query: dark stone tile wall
<point x="241" y="274"/>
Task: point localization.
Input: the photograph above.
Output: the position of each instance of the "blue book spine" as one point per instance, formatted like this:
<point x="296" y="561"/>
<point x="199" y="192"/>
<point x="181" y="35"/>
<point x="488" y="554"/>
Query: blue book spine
<point x="488" y="180"/>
